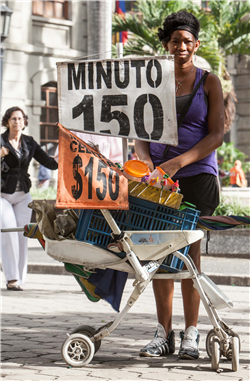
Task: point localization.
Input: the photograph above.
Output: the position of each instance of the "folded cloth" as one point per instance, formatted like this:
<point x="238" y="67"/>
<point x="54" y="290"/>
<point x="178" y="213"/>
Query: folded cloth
<point x="222" y="222"/>
<point x="32" y="231"/>
<point x="109" y="285"/>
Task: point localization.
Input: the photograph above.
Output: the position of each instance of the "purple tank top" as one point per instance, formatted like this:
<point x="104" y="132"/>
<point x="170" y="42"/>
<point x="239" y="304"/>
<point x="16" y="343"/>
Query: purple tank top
<point x="193" y="129"/>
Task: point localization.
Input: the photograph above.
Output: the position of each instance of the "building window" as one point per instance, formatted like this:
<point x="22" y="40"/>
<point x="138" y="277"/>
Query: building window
<point x="131" y="6"/>
<point x="51" y="9"/>
<point x="49" y="118"/>
<point x="205" y="5"/>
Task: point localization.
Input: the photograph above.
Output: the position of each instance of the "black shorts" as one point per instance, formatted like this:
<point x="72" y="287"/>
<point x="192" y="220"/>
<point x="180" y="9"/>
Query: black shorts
<point x="202" y="191"/>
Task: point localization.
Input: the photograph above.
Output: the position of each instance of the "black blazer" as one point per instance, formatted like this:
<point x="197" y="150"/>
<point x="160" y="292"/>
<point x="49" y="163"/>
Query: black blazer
<point x="19" y="169"/>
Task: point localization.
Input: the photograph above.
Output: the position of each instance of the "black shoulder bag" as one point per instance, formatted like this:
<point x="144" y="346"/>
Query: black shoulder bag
<point x="187" y="105"/>
<point x="4" y="166"/>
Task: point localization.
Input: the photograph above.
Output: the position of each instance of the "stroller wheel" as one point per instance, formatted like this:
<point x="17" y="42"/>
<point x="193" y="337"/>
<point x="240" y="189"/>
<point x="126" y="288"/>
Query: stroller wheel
<point x="88" y="331"/>
<point x="77" y="350"/>
<point x="215" y="353"/>
<point x="230" y="352"/>
<point x="235" y="353"/>
<point x="211" y="334"/>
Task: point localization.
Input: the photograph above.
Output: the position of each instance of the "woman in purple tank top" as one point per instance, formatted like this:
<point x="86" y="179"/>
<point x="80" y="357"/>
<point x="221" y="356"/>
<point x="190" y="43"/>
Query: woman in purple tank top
<point x="193" y="163"/>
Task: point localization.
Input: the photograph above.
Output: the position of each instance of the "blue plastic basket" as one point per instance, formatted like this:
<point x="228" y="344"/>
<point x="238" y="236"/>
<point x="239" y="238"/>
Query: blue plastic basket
<point x="142" y="215"/>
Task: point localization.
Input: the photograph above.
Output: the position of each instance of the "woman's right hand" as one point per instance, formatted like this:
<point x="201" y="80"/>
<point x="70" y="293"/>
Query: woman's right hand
<point x="142" y="151"/>
<point x="4" y="151"/>
<point x="149" y="164"/>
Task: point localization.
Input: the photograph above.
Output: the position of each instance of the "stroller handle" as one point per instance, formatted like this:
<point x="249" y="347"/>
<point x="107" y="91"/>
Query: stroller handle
<point x="9" y="230"/>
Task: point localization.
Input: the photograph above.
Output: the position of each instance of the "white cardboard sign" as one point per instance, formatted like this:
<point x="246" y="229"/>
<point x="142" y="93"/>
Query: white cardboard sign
<point x="129" y="97"/>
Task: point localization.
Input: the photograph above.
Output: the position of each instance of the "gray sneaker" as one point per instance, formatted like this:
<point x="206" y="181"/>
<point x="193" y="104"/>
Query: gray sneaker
<point x="189" y="344"/>
<point x="160" y="345"/>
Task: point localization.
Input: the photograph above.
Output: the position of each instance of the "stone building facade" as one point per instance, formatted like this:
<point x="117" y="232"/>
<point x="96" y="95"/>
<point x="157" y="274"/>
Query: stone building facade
<point x="39" y="37"/>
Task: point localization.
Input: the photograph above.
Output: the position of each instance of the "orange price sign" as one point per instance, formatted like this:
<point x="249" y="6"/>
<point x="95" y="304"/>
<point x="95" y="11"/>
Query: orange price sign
<point x="86" y="178"/>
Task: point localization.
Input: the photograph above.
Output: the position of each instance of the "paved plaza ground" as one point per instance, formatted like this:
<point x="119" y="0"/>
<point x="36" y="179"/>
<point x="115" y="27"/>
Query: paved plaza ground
<point x="35" y="323"/>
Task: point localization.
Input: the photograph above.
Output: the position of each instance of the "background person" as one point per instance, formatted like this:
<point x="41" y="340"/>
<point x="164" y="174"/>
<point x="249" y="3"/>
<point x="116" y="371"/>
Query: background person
<point x="17" y="150"/>
<point x="237" y="176"/>
<point x="193" y="163"/>
<point x="132" y="155"/>
<point x="44" y="176"/>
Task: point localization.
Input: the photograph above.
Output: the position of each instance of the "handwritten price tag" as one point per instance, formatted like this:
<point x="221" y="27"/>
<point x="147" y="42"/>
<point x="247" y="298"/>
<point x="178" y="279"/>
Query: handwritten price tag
<point x="86" y="178"/>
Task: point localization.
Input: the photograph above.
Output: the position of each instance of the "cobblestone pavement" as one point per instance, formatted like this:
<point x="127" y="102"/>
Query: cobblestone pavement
<point x="35" y="323"/>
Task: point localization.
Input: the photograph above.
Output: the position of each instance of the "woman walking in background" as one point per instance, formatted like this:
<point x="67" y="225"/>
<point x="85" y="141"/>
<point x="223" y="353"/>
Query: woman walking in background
<point x="17" y="150"/>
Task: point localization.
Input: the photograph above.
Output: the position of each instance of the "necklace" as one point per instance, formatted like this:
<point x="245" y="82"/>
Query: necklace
<point x="179" y="83"/>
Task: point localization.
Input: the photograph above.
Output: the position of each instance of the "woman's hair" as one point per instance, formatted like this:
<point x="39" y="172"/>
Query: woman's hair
<point x="181" y="20"/>
<point x="8" y="114"/>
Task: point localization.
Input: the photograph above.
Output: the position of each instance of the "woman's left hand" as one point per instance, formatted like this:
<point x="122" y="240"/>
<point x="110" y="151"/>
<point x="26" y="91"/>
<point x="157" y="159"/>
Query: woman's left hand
<point x="171" y="167"/>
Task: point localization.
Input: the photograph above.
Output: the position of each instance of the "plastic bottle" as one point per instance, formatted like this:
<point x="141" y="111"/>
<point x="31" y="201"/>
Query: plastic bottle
<point x="159" y="179"/>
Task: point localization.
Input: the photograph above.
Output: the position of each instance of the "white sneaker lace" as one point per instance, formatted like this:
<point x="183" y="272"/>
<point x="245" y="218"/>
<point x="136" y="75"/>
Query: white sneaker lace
<point x="157" y="341"/>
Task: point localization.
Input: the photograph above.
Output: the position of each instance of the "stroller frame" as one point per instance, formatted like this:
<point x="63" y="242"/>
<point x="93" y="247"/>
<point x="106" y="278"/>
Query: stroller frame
<point x="81" y="345"/>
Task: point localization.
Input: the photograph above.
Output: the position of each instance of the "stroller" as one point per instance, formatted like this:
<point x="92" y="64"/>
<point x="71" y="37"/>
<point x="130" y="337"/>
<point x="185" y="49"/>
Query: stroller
<point x="149" y="241"/>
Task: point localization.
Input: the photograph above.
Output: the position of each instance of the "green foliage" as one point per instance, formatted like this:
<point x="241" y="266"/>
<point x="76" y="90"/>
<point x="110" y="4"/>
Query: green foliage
<point x="233" y="26"/>
<point x="230" y="154"/>
<point x="231" y="207"/>
<point x="43" y="194"/>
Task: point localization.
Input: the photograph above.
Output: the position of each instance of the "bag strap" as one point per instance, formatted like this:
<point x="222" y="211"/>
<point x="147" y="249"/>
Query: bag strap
<point x="4" y="166"/>
<point x="187" y="105"/>
<point x="2" y="141"/>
